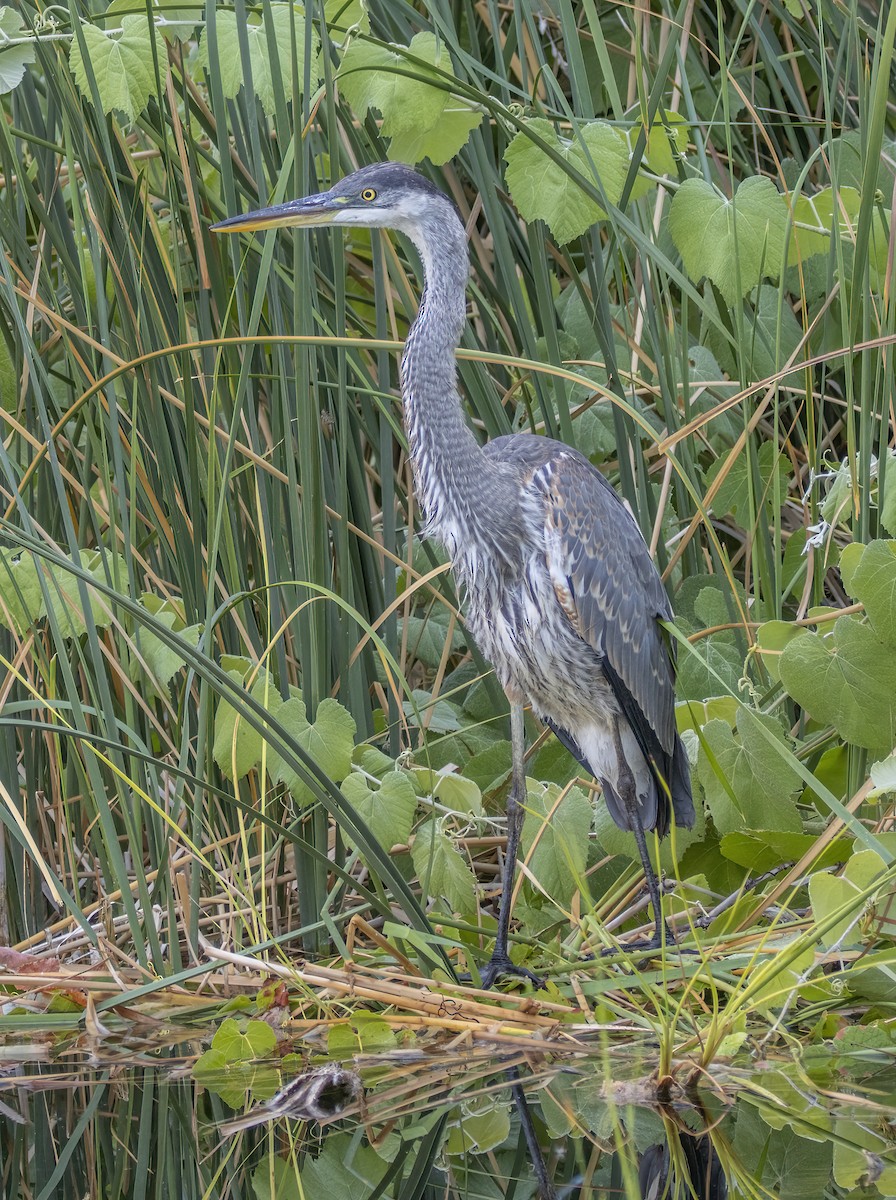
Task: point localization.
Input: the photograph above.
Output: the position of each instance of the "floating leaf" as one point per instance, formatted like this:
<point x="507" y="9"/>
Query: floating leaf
<point x="344" y="1170"/>
<point x="481" y="1125"/>
<point x="421" y="117"/>
<point x="123" y="65"/>
<point x="846" y="679"/>
<point x="732" y="242"/>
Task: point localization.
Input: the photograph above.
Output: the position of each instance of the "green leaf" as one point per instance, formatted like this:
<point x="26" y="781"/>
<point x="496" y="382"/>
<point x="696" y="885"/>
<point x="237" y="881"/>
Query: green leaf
<point x="421" y="119"/>
<point x="814" y="220"/>
<point x="846" y="679"/>
<point x="121" y="64"/>
<point x="457" y="793"/>
<point x="426" y="638"/>
<point x="63" y="595"/>
<point x="732" y="242"/>
<point x="482" y="1125"/>
<point x="736" y="494"/>
<point x="388" y="812"/>
<point x="162" y="11"/>
<point x="887" y="482"/>
<point x="229" y="65"/>
<point x="163" y="661"/>
<point x="443" y="872"/>
<point x="237" y="746"/>
<point x="828" y="894"/>
<point x="13" y="59"/>
<point x="869" y="575"/>
<point x="771" y="638"/>
<point x="288" y="48"/>
<point x="374" y="1034"/>
<point x="286" y="24"/>
<point x="883" y="774"/>
<point x="345" y="14"/>
<point x="762" y="780"/>
<point x="21" y="599"/>
<point x="563" y="831"/>
<point x="542" y="189"/>
<point x="330" y="741"/>
<point x="659" y="154"/>
<point x="762" y="849"/>
<point x="344" y="1170"/>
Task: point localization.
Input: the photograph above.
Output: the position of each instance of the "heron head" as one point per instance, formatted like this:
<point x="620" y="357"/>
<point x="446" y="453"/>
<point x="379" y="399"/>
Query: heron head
<point x="391" y="195"/>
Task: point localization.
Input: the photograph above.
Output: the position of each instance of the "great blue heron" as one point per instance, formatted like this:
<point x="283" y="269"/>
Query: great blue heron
<point x="561" y="594"/>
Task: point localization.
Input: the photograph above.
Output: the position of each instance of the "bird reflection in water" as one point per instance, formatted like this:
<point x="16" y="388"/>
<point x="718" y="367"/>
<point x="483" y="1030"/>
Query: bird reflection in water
<point x="319" y="1095"/>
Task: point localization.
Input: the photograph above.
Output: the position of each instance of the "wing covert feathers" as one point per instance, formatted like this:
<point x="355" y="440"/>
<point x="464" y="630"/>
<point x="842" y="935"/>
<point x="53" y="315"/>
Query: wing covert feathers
<point x="610" y="590"/>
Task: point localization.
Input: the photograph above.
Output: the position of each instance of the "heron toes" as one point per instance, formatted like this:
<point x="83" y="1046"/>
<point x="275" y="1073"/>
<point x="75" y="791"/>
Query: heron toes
<point x="500" y="965"/>
<point x="661" y="941"/>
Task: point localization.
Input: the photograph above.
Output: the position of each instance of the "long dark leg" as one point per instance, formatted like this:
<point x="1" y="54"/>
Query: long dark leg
<point x="536" y="1158"/>
<point x="628" y="793"/>
<point x="499" y="964"/>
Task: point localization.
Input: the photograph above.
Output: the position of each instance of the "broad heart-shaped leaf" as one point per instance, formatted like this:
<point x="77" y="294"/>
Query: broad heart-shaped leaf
<point x="421" y="118"/>
<point x="21" y="600"/>
<point x="343" y="15"/>
<point x="64" y="595"/>
<point x="559" y="858"/>
<point x="454" y="791"/>
<point x="886" y="476"/>
<point x="284" y="30"/>
<point x="168" y="10"/>
<point x="762" y="849"/>
<point x="13" y="59"/>
<point x="732" y="242"/>
<point x="256" y="1040"/>
<point x="846" y="679"/>
<point x="736" y="489"/>
<point x="237" y="746"/>
<point x="762" y="780"/>
<point x="163" y="661"/>
<point x="388" y="812"/>
<point x="442" y="870"/>
<point x="343" y="1170"/>
<point x="814" y="220"/>
<point x="481" y="1125"/>
<point x="121" y="64"/>
<point x="542" y="189"/>
<point x="330" y="741"/>
<point x="869" y="575"/>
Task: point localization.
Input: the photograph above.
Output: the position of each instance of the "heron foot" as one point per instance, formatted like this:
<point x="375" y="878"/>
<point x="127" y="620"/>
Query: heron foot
<point x="500" y="965"/>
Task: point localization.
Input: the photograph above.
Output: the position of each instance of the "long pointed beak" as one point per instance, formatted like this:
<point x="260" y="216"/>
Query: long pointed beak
<point x="310" y="210"/>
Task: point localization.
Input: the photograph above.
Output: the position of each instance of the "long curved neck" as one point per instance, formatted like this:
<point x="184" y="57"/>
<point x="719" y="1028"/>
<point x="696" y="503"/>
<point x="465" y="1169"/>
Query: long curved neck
<point x="448" y="462"/>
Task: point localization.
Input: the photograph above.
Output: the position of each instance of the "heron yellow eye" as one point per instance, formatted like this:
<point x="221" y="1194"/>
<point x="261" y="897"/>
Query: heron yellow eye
<point x="368" y="194"/>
